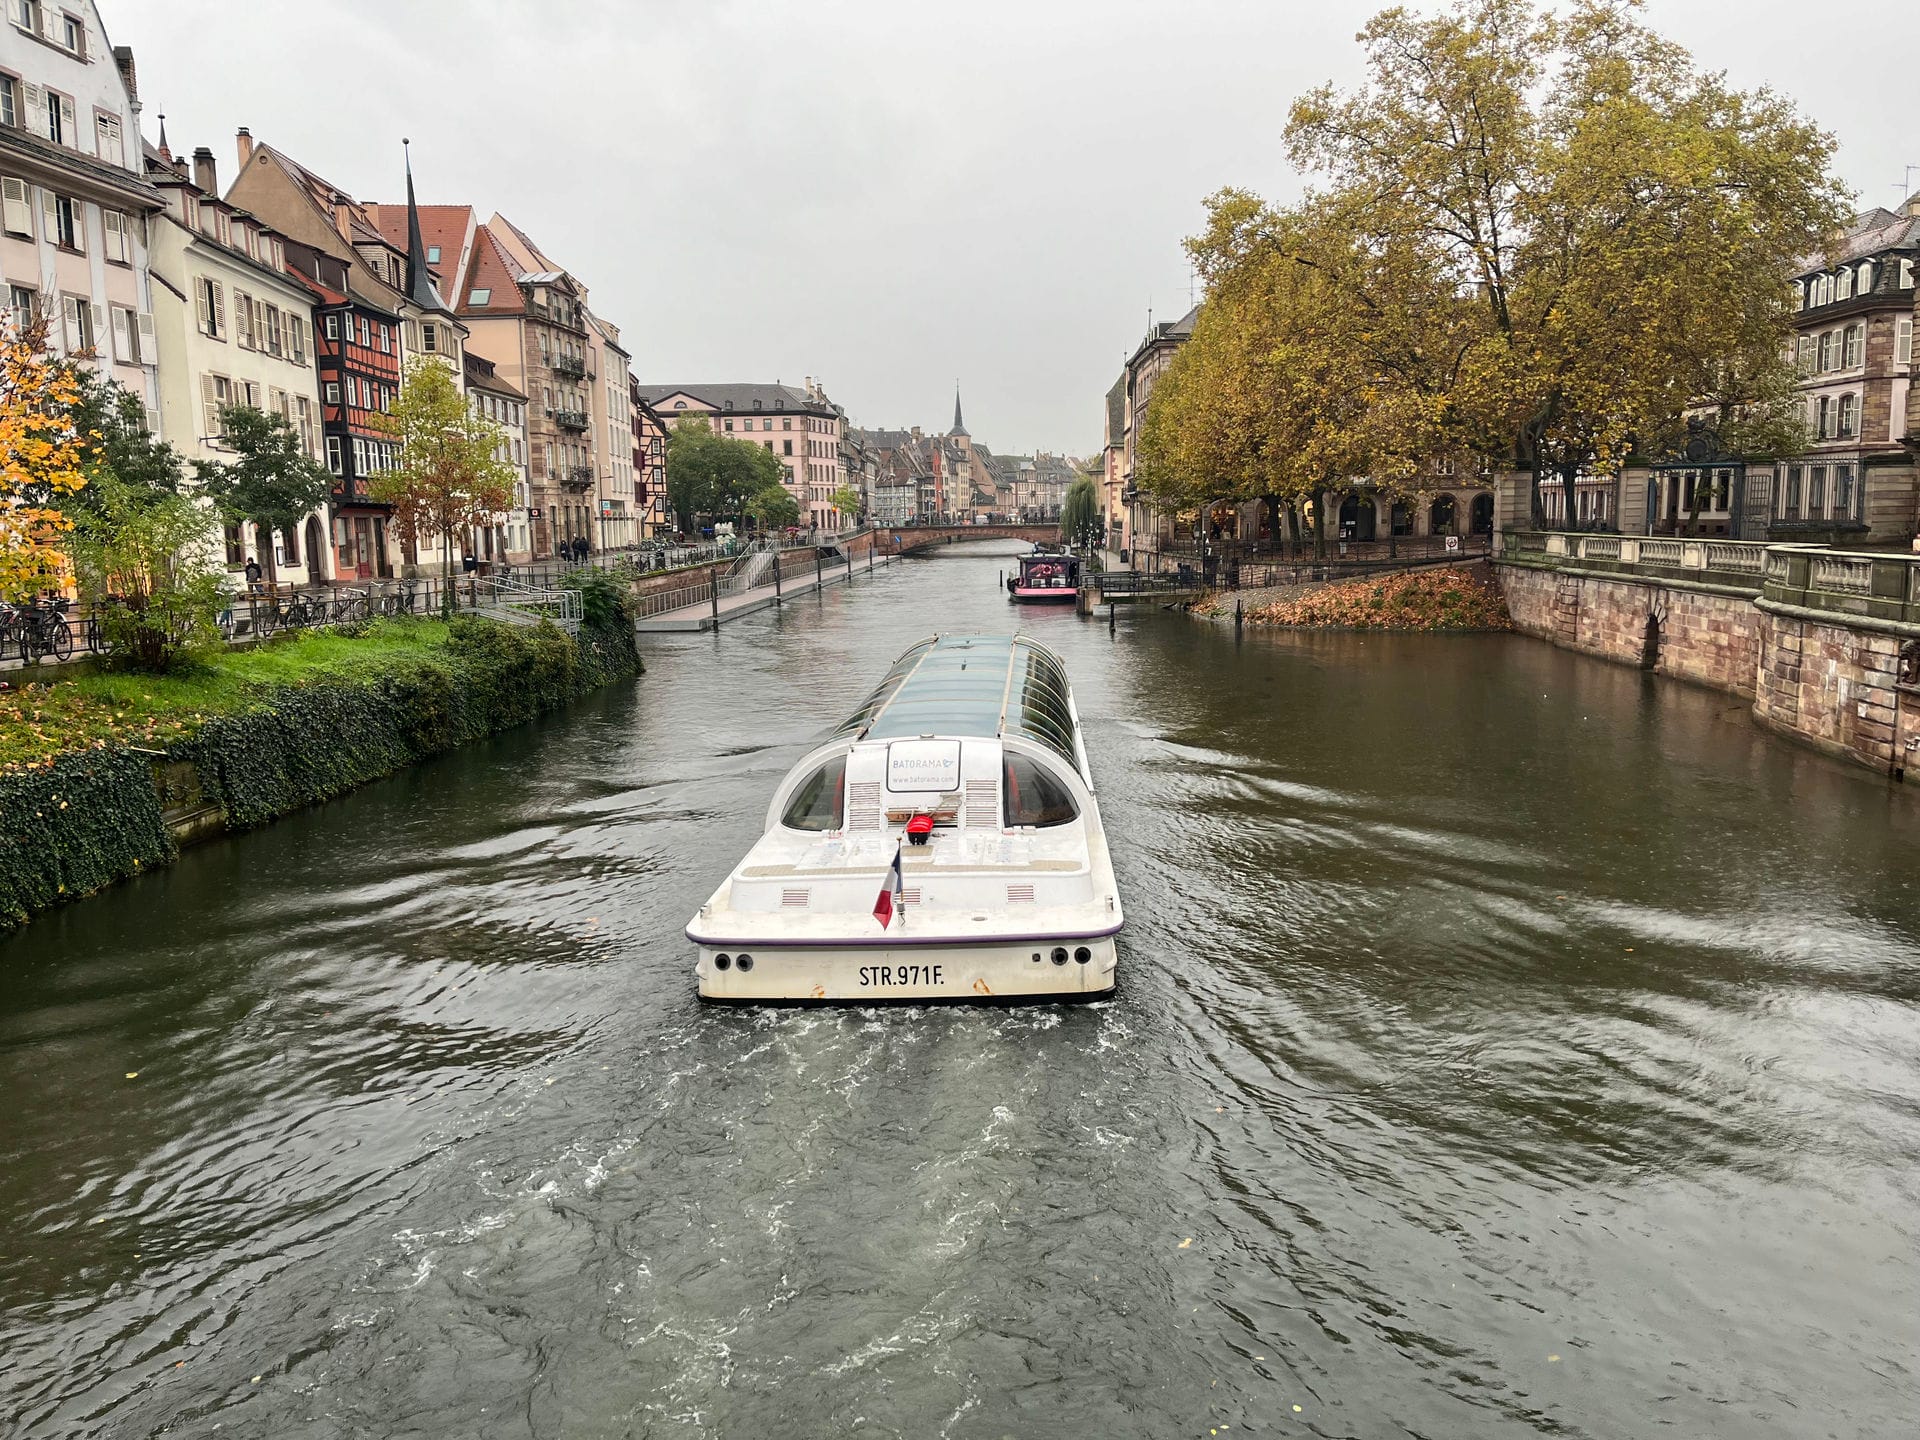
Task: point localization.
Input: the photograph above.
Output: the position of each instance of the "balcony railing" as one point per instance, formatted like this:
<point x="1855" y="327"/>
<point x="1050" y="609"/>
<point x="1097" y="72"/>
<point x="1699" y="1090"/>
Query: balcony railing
<point x="577" y="477"/>
<point x="569" y="419"/>
<point x="570" y="367"/>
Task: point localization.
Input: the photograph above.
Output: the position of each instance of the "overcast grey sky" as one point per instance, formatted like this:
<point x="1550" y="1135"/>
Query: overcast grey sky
<point x="887" y="194"/>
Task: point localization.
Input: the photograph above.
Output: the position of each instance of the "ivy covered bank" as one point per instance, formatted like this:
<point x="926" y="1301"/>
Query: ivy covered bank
<point x="107" y="775"/>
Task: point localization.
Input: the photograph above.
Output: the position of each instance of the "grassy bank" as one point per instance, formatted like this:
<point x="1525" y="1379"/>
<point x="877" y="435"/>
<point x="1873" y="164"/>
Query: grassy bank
<point x="249" y="735"/>
<point x="41" y="721"/>
<point x="1420" y="600"/>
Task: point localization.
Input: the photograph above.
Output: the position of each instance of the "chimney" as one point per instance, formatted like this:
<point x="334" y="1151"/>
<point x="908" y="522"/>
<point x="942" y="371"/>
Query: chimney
<point x="203" y="174"/>
<point x="123" y="58"/>
<point x="243" y="143"/>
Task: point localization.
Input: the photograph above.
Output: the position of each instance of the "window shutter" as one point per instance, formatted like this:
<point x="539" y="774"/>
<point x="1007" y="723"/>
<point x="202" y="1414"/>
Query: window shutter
<point x="219" y="308"/>
<point x="123" y="337"/>
<point x="98" y="333"/>
<point x="50" y="212"/>
<point x="148" y="354"/>
<point x="153" y="423"/>
<point x="243" y="319"/>
<point x="115" y="225"/>
<point x="34" y="121"/>
<point x="16" y="208"/>
<point x="70" y="318"/>
<point x="210" y="405"/>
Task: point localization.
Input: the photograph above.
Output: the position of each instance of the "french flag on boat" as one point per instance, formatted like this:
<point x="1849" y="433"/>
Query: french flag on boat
<point x="892" y="892"/>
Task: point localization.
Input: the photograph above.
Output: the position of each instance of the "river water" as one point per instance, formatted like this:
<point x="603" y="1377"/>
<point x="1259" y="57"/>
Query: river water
<point x="1508" y="1044"/>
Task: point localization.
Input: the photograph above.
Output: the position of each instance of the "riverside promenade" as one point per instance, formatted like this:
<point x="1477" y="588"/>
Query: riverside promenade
<point x="695" y="607"/>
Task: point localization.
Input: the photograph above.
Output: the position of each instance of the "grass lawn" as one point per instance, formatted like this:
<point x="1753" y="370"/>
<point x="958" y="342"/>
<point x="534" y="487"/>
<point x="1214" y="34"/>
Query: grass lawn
<point x="39" y="721"/>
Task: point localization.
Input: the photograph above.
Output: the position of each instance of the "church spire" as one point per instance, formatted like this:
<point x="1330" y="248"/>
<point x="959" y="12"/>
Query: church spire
<point x="420" y="287"/>
<point x="959" y="426"/>
<point x="164" y="152"/>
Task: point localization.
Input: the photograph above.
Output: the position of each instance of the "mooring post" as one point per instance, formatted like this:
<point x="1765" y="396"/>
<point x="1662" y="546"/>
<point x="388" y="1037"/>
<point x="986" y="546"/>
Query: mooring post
<point x="713" y="594"/>
<point x="776" y="575"/>
<point x="849" y="562"/>
<point x="1110" y="615"/>
<point x="1236" y="615"/>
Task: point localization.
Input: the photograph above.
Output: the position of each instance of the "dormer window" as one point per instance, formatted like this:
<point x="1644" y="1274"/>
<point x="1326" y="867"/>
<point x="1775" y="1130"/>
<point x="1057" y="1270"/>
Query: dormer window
<point x="1844" y="284"/>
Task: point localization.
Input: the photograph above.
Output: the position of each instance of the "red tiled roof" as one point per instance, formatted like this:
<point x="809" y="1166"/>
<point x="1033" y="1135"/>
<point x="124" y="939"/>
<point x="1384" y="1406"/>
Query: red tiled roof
<point x="490" y="270"/>
<point x="441" y="225"/>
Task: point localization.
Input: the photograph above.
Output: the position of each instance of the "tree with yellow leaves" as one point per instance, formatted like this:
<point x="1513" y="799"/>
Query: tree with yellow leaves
<point x="40" y="461"/>
<point x="1618" y="226"/>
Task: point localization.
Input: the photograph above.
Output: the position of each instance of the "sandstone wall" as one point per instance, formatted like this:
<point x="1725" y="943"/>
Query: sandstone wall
<point x="1828" y="684"/>
<point x="1835" y="686"/>
<point x="1710" y="639"/>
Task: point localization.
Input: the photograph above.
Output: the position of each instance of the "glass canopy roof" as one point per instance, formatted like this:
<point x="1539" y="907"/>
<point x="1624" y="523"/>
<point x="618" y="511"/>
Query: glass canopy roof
<point x="970" y="685"/>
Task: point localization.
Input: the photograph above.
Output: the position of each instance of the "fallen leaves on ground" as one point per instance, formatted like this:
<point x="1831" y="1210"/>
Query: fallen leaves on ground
<point x="1419" y="600"/>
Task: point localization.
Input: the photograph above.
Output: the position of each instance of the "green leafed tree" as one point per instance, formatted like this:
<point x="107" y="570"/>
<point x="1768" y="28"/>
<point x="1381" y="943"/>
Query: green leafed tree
<point x="1080" y="514"/>
<point x="715" y="475"/>
<point x="152" y="553"/>
<point x="449" y="478"/>
<point x="773" y="508"/>
<point x="111" y="424"/>
<point x="271" y="480"/>
<point x="846" y="500"/>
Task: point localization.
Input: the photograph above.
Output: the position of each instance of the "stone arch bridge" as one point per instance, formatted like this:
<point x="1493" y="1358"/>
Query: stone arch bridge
<point x="915" y="539"/>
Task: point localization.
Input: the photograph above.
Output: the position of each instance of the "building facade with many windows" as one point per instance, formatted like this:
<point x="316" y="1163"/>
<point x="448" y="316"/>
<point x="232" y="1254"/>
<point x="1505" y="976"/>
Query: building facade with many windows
<point x="74" y="201"/>
<point x="801" y="427"/>
<point x="233" y="327"/>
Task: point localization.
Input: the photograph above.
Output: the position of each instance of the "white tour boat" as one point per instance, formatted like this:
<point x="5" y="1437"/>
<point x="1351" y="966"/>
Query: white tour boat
<point x="943" y="844"/>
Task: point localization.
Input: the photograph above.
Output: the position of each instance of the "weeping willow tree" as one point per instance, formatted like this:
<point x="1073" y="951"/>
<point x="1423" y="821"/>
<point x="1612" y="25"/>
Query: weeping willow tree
<point x="1080" y="514"/>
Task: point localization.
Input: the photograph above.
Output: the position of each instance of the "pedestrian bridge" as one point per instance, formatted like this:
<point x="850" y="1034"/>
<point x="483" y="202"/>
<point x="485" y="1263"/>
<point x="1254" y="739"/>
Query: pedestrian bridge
<point x="911" y="539"/>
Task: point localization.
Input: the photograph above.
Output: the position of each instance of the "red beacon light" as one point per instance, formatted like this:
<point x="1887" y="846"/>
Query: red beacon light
<point x="918" y="829"/>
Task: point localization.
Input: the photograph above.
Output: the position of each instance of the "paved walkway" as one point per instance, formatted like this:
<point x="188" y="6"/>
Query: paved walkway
<point x="699" y="616"/>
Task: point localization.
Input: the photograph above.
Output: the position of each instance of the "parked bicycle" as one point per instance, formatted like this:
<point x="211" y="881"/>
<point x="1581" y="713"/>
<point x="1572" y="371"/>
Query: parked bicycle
<point x="43" y="630"/>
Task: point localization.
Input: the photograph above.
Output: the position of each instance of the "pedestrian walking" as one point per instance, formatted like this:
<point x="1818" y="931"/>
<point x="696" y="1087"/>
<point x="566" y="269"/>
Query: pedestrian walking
<point x="253" y="575"/>
<point x="468" y="563"/>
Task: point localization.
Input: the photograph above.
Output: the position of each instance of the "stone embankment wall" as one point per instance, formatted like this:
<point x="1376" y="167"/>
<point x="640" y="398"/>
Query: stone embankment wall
<point x="1829" y="684"/>
<point x="1710" y="639"/>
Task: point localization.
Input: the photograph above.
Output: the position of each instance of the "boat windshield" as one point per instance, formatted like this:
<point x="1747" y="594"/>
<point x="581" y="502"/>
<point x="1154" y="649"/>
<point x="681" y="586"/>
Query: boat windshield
<point x="817" y="803"/>
<point x="1030" y="796"/>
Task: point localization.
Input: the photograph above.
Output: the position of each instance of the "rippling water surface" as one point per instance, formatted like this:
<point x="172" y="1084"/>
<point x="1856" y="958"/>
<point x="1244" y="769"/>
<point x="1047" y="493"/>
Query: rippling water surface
<point x="1508" y="1045"/>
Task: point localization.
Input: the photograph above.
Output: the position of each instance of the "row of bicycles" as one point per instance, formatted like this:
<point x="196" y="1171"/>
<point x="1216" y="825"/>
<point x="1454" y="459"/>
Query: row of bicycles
<point x="51" y="629"/>
<point x="265" y="614"/>
<point x="42" y="630"/>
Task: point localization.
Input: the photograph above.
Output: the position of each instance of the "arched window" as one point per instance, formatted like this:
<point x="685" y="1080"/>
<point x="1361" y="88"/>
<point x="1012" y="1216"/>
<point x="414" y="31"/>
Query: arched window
<point x="817" y="802"/>
<point x="1843" y="283"/>
<point x="1029" y="795"/>
<point x="1849" y="416"/>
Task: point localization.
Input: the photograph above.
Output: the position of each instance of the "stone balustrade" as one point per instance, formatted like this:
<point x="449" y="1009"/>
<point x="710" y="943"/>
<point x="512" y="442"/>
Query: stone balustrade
<point x="1736" y="566"/>
<point x="1875" y="586"/>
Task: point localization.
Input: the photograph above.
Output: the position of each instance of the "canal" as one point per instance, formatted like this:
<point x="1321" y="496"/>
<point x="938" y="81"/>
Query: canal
<point x="1508" y="1044"/>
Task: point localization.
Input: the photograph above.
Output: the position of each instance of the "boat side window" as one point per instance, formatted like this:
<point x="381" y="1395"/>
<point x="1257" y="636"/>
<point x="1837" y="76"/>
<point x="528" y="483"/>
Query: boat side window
<point x="1029" y="795"/>
<point x="816" y="804"/>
